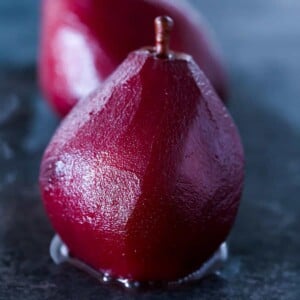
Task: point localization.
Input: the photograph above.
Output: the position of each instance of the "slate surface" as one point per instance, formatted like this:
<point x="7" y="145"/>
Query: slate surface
<point x="261" y="43"/>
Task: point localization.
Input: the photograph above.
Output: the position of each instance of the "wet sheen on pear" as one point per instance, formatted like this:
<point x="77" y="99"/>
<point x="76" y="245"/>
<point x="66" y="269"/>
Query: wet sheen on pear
<point x="143" y="179"/>
<point x="83" y="42"/>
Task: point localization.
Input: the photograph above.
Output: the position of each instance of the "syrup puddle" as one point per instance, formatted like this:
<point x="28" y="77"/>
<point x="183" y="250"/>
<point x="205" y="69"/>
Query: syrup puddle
<point x="59" y="253"/>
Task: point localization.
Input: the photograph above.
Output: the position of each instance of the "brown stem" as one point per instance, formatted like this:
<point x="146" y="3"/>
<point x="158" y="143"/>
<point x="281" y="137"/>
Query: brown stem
<point x="163" y="28"/>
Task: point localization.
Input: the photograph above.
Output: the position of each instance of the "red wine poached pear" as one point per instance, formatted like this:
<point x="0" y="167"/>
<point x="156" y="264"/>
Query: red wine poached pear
<point x="83" y="42"/>
<point x="142" y="180"/>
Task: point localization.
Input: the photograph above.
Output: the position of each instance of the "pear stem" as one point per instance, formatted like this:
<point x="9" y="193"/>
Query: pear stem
<point x="163" y="28"/>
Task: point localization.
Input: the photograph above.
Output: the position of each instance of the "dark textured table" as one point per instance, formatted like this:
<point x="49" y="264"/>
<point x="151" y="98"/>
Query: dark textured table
<point x="261" y="42"/>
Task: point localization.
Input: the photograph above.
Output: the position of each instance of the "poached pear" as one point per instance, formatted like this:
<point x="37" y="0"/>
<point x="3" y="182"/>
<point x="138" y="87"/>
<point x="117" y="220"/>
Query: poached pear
<point x="83" y="42"/>
<point x="142" y="180"/>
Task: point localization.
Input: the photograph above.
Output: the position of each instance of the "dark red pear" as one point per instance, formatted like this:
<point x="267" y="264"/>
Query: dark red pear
<point x="83" y="42"/>
<point x="143" y="179"/>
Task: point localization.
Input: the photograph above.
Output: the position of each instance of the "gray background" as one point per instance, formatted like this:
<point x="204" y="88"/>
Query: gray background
<point x="261" y="44"/>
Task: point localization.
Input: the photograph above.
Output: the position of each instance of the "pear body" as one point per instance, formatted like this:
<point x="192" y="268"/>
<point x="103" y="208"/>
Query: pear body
<point x="83" y="42"/>
<point x="143" y="179"/>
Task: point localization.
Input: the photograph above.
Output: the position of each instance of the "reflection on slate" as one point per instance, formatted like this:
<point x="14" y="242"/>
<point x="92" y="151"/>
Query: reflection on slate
<point x="261" y="42"/>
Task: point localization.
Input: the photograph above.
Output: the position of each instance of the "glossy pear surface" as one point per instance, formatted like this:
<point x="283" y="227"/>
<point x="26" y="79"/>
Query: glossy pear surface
<point x="143" y="179"/>
<point x="82" y="42"/>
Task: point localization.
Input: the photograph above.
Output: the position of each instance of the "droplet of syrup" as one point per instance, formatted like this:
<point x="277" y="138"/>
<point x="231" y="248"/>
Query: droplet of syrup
<point x="60" y="254"/>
